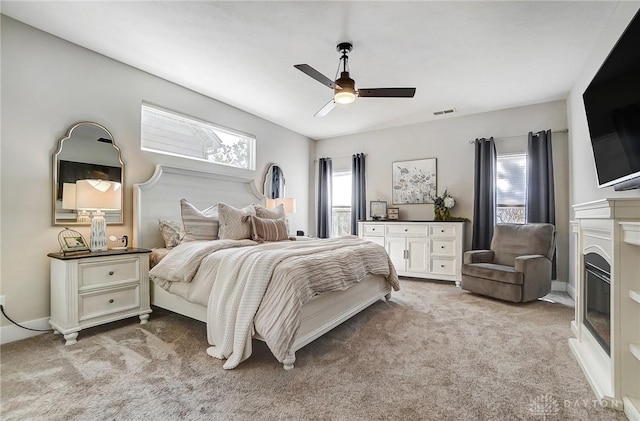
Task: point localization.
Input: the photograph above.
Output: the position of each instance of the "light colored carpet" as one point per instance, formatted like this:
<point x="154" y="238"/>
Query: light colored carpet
<point x="433" y="353"/>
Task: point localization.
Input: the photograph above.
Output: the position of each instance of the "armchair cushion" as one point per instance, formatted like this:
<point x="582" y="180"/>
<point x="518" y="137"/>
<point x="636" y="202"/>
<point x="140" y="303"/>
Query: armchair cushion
<point x="512" y="240"/>
<point x="493" y="272"/>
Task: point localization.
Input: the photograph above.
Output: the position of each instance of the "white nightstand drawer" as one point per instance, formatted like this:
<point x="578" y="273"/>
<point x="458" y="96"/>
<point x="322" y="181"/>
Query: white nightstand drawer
<point x="397" y="229"/>
<point x="107" y="302"/>
<point x="93" y="273"/>
<point x="443" y="247"/>
<point x="443" y="266"/>
<point x="374" y="230"/>
<point x="442" y="230"/>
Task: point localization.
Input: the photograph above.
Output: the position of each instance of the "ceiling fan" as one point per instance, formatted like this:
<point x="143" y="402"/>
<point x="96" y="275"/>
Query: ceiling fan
<point x="344" y="88"/>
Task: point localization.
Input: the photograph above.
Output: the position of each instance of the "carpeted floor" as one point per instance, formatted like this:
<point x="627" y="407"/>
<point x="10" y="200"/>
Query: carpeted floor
<point x="434" y="352"/>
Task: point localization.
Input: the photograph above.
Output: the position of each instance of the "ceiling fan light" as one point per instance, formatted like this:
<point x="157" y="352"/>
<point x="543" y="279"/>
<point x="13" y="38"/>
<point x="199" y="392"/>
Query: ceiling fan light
<point x="344" y="96"/>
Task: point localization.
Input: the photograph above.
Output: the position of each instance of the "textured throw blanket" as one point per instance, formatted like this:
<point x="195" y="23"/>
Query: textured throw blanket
<point x="282" y="276"/>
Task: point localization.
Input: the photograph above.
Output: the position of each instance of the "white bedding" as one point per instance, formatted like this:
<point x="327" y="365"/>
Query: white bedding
<point x="263" y="287"/>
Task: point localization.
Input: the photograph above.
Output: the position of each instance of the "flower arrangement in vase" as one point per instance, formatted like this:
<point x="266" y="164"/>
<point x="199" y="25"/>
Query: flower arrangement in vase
<point x="442" y="205"/>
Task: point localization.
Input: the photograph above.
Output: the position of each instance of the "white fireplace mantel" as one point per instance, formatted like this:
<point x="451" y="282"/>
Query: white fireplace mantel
<point x="611" y="228"/>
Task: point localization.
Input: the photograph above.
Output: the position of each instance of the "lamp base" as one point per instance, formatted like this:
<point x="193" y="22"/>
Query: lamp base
<point x="98" y="238"/>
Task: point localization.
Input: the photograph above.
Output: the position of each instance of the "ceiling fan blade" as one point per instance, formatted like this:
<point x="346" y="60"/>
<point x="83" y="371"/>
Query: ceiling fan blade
<point x="326" y="109"/>
<point x="310" y="71"/>
<point x="387" y="92"/>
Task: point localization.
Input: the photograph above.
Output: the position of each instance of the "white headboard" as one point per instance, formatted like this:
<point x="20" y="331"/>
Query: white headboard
<point x="159" y="198"/>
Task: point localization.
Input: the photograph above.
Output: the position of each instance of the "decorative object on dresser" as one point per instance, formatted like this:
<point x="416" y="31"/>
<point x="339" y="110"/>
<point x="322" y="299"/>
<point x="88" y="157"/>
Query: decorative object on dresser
<point x="414" y="181"/>
<point x="393" y="213"/>
<point x="87" y="151"/>
<point x="517" y="268"/>
<point x="442" y="205"/>
<point x="607" y="295"/>
<point x="378" y="209"/>
<point x="94" y="288"/>
<point x="429" y="250"/>
<point x="72" y="241"/>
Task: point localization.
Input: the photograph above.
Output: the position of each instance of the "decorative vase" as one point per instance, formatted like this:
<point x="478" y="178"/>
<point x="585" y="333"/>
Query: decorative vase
<point x="442" y="214"/>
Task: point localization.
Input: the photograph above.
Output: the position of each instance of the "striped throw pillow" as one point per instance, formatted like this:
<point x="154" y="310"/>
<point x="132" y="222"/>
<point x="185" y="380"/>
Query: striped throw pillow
<point x="197" y="224"/>
<point x="264" y="229"/>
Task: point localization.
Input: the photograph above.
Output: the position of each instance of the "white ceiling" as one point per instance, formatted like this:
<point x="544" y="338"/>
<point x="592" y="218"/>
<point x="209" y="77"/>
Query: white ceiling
<point x="474" y="56"/>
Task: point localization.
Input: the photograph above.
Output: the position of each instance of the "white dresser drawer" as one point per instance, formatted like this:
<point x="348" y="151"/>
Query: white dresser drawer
<point x="98" y="272"/>
<point x="402" y="229"/>
<point x="443" y="247"/>
<point x="374" y="230"/>
<point x="444" y="230"/>
<point x="443" y="266"/>
<point x="107" y="302"/>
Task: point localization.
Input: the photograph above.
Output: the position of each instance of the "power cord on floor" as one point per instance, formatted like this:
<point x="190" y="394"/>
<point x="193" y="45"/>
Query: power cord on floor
<point x="18" y="324"/>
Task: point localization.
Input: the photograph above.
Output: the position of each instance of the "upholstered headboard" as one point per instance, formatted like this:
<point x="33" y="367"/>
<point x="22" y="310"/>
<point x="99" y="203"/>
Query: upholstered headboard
<point x="159" y="198"/>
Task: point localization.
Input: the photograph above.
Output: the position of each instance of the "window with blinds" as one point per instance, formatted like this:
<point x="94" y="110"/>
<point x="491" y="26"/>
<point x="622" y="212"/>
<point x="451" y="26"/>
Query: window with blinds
<point x="167" y="132"/>
<point x="341" y="203"/>
<point x="511" y="185"/>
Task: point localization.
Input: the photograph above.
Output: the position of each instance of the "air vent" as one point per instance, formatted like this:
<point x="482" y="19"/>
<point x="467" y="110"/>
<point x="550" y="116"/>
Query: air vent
<point x="442" y="112"/>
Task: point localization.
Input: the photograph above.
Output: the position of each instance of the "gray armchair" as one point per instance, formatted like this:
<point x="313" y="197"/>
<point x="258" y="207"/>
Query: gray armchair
<point x="518" y="266"/>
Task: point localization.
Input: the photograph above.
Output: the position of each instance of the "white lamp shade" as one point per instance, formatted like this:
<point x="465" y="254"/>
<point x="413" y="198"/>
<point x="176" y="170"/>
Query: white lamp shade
<point x="98" y="195"/>
<point x="270" y="203"/>
<point x="287" y="203"/>
<point x="69" y="196"/>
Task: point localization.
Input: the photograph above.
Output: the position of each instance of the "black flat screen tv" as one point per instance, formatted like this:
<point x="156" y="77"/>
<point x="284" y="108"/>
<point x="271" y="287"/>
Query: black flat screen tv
<point x="612" y="104"/>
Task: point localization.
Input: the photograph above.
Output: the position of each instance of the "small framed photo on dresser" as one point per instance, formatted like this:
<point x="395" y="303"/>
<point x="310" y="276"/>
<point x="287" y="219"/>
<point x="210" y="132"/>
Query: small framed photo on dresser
<point x="378" y="209"/>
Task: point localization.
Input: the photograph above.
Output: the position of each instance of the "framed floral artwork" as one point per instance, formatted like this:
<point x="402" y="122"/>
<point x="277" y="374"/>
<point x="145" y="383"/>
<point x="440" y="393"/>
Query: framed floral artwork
<point x="414" y="181"/>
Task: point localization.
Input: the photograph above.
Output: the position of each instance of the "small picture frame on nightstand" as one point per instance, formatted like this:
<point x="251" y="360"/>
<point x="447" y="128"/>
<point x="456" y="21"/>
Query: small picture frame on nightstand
<point x="72" y="241"/>
<point x="378" y="209"/>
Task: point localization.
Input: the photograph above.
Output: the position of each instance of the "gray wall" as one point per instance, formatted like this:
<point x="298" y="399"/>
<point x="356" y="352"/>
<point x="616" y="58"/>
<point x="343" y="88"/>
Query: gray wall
<point x="47" y="85"/>
<point x="448" y="141"/>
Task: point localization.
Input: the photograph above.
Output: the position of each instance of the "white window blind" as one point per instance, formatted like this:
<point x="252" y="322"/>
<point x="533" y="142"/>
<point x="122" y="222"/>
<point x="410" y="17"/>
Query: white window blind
<point x="511" y="185"/>
<point x="341" y="203"/>
<point x="167" y="132"/>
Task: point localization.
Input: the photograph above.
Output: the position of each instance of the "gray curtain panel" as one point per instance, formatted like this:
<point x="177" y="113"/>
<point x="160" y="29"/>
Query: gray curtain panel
<point x="541" y="203"/>
<point x="484" y="190"/>
<point x="358" y="191"/>
<point x="324" y="198"/>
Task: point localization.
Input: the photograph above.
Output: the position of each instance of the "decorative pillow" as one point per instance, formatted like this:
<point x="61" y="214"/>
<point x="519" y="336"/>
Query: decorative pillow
<point x="171" y="232"/>
<point x="275" y="213"/>
<point x="199" y="225"/>
<point x="232" y="227"/>
<point x="264" y="229"/>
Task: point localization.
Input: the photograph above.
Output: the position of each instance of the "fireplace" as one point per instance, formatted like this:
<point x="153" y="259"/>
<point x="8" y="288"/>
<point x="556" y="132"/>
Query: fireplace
<point x="597" y="299"/>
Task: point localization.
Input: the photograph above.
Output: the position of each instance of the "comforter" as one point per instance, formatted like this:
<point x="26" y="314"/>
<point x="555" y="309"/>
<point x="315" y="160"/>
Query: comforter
<point x="262" y="287"/>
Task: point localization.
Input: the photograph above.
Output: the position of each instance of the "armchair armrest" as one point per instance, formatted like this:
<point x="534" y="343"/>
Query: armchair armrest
<point x="532" y="263"/>
<point x="478" y="256"/>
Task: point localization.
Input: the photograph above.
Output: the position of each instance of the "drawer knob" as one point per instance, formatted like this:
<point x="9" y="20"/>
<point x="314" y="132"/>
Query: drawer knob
<point x="373" y="229"/>
<point x="441" y="247"/>
<point x="441" y="266"/>
<point x="441" y="230"/>
<point x="111" y="301"/>
<point x="406" y="229"/>
<point x="111" y="272"/>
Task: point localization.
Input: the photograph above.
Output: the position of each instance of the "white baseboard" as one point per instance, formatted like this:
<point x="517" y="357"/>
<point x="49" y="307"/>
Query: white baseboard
<point x="558" y="286"/>
<point x="571" y="290"/>
<point x="12" y="333"/>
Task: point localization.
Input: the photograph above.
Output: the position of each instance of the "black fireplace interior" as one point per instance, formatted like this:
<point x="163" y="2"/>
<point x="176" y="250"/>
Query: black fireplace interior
<point x="597" y="299"/>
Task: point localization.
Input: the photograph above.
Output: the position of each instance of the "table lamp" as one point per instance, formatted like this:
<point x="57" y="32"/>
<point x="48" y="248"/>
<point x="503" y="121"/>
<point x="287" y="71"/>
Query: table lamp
<point x="98" y="196"/>
<point x="289" y="205"/>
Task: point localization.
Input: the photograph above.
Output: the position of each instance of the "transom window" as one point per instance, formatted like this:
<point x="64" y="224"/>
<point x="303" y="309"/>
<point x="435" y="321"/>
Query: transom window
<point x="167" y="132"/>
<point x="511" y="184"/>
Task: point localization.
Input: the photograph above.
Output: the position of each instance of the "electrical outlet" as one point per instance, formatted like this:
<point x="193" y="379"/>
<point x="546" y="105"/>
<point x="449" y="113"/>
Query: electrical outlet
<point x="2" y="300"/>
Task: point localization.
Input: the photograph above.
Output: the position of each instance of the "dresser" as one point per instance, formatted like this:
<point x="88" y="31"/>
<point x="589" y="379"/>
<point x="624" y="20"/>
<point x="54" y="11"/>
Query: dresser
<point x="91" y="289"/>
<point x="424" y="249"/>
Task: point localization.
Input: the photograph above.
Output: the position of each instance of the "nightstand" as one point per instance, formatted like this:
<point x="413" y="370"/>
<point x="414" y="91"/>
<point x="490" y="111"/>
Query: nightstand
<point x="94" y="288"/>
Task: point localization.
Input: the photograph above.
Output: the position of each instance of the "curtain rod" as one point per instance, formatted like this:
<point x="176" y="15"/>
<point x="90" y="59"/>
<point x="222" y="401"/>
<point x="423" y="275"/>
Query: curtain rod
<point x="342" y="157"/>
<point x="471" y="142"/>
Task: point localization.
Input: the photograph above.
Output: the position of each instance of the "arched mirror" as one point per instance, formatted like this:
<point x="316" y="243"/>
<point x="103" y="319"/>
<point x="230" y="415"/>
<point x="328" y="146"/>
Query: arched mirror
<point x="86" y="152"/>
<point x="274" y="182"/>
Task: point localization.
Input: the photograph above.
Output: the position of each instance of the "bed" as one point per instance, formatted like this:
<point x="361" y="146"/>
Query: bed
<point x="159" y="198"/>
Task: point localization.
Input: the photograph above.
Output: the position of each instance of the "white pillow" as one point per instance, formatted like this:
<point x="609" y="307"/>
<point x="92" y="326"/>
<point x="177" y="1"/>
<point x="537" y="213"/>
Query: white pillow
<point x="197" y="224"/>
<point x="275" y="213"/>
<point x="232" y="227"/>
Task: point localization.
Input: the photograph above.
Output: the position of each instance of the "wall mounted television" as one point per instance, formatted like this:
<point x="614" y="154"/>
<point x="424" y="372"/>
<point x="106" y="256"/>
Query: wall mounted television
<point x="612" y="104"/>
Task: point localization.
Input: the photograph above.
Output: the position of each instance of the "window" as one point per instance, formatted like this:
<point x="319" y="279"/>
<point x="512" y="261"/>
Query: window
<point x="170" y="133"/>
<point x="512" y="188"/>
<point x="341" y="203"/>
